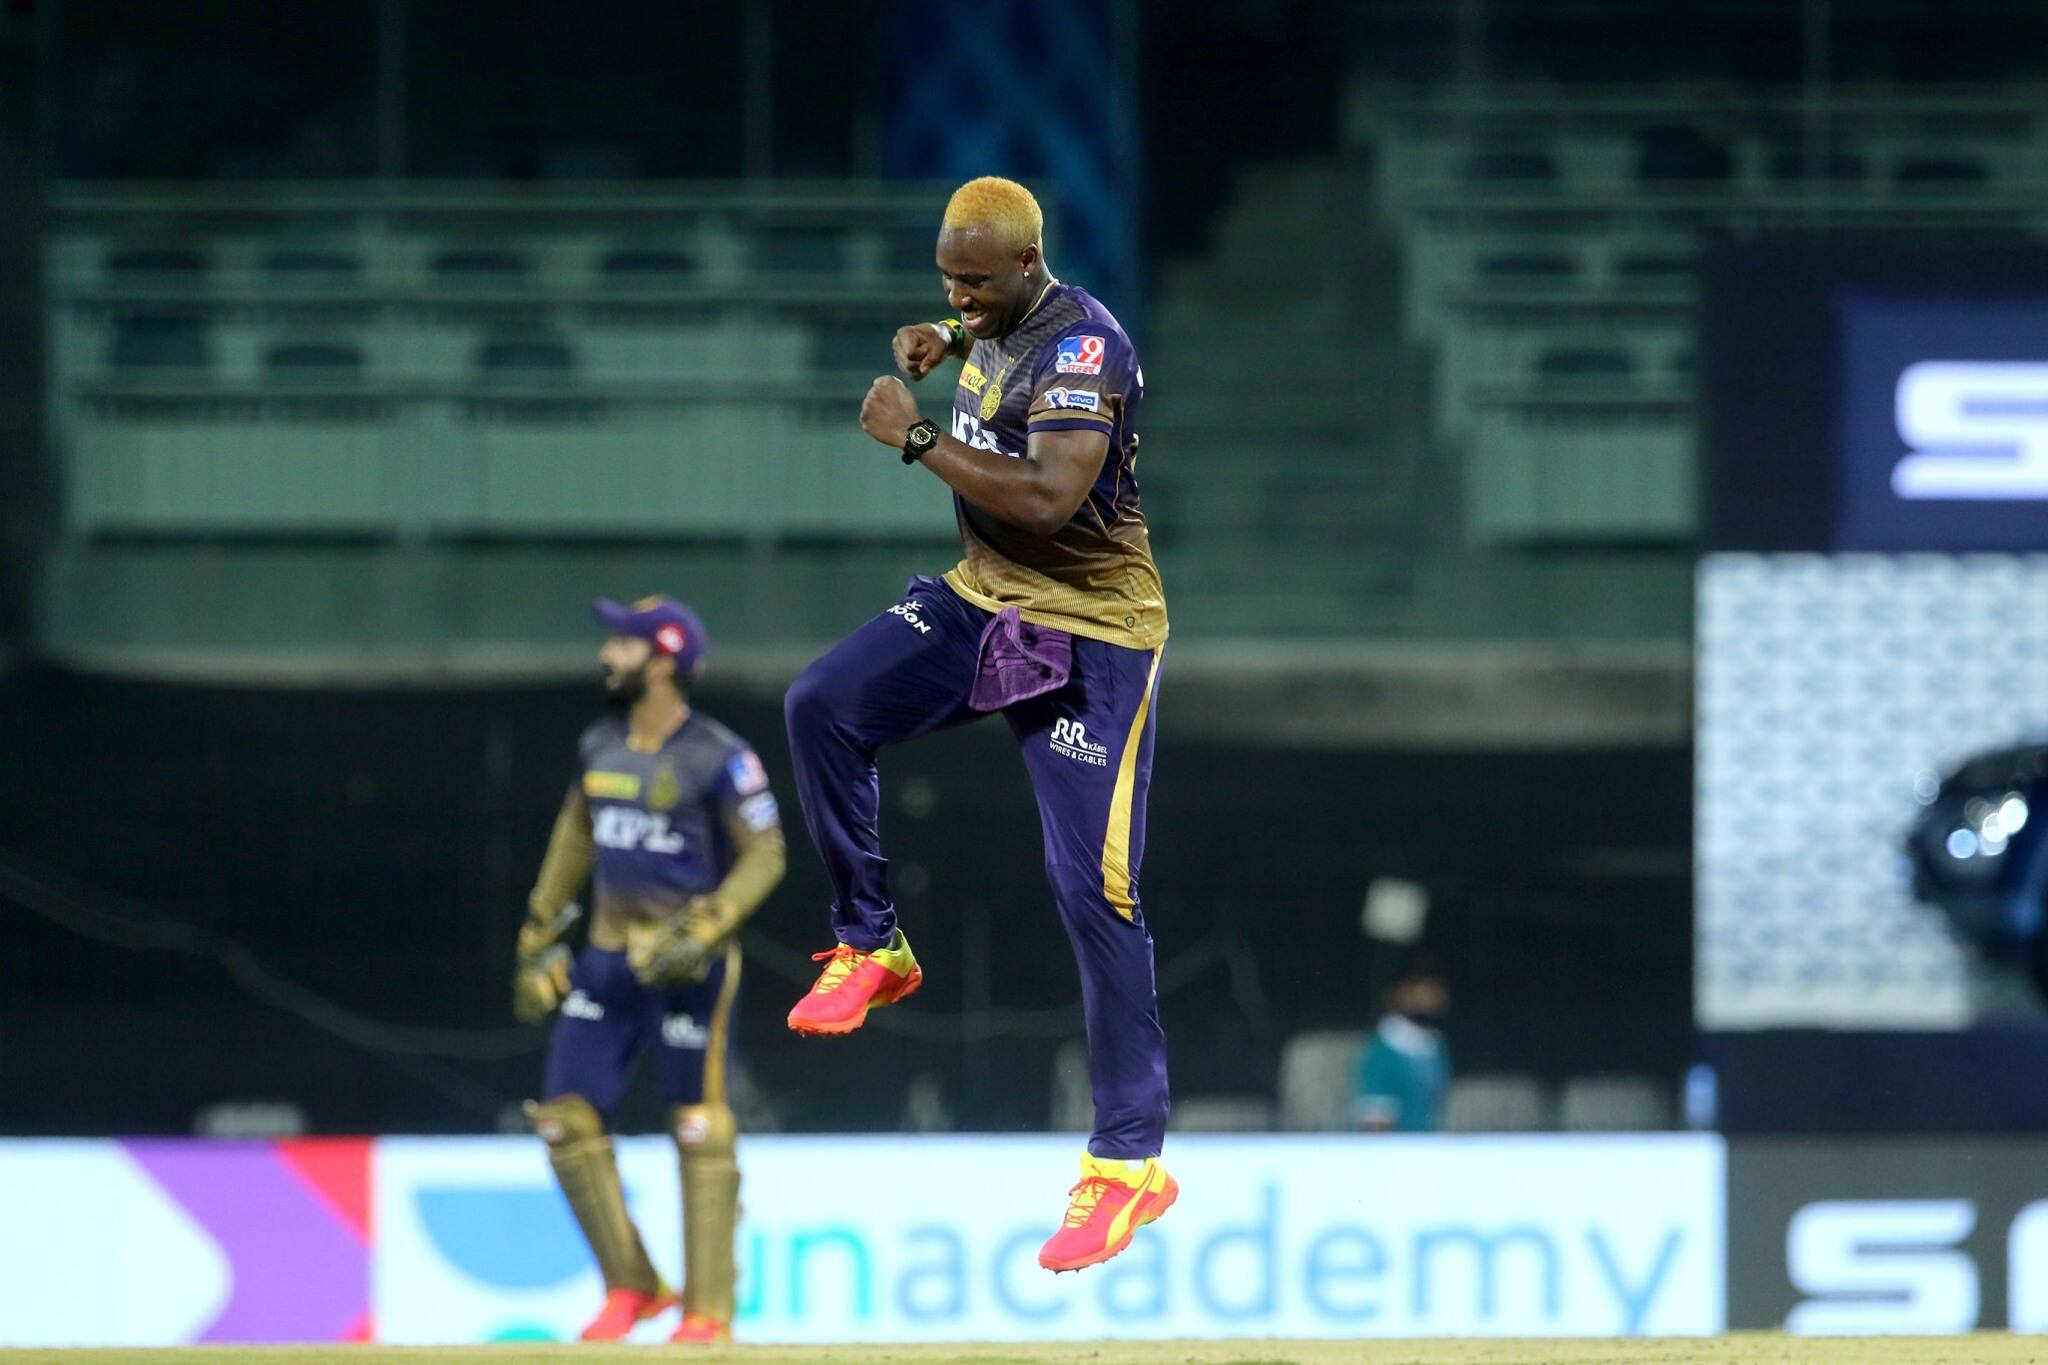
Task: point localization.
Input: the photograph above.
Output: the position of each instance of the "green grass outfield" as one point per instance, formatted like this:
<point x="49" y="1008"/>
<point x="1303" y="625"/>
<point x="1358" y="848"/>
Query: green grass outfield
<point x="1740" y="1349"/>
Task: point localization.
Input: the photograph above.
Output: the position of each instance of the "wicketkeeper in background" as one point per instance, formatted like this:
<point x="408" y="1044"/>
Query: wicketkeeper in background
<point x="672" y="812"/>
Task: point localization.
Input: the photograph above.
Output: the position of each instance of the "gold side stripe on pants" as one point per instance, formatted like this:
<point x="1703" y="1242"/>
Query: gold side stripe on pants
<point x="721" y="1028"/>
<point x="1116" y="841"/>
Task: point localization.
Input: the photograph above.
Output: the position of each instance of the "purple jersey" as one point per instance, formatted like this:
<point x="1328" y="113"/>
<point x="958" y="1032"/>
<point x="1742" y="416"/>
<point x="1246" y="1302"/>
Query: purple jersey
<point x="658" y="820"/>
<point x="1067" y="367"/>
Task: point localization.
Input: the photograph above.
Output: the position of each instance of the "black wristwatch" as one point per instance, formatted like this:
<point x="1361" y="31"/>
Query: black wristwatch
<point x="919" y="440"/>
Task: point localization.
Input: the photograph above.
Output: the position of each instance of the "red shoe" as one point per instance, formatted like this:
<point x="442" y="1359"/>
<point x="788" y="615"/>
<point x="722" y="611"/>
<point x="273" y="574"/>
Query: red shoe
<point x="1111" y="1202"/>
<point x="854" y="982"/>
<point x="702" y="1331"/>
<point x="623" y="1310"/>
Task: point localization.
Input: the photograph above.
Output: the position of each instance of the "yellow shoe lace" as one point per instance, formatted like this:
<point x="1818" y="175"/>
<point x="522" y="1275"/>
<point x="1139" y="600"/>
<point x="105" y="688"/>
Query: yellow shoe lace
<point x="839" y="964"/>
<point x="1085" y="1196"/>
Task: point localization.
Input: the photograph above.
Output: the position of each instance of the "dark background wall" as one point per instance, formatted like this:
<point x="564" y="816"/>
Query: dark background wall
<point x="22" y="486"/>
<point x="194" y="844"/>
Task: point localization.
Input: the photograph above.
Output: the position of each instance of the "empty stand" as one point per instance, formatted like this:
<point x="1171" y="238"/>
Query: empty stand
<point x="621" y="363"/>
<point x="1548" y="241"/>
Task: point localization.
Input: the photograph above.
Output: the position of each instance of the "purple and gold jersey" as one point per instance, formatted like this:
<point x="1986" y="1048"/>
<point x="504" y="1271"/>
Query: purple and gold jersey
<point x="658" y="820"/>
<point x="1067" y="367"/>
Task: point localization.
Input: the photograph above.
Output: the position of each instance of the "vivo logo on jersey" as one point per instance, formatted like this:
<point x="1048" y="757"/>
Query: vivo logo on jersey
<point x="626" y="827"/>
<point x="1976" y="429"/>
<point x="966" y="428"/>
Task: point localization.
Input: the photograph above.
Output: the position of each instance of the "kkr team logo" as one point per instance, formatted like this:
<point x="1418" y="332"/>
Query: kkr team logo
<point x="992" y="400"/>
<point x="1070" y="740"/>
<point x="666" y="789"/>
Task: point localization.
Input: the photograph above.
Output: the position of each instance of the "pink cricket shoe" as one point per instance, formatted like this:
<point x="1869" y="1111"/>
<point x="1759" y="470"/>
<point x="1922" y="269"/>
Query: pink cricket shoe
<point x="698" y="1330"/>
<point x="623" y="1310"/>
<point x="853" y="983"/>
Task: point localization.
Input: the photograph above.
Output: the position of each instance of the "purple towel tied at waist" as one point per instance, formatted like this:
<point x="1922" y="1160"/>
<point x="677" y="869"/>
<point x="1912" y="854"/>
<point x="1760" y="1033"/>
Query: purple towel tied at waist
<point x="1019" y="660"/>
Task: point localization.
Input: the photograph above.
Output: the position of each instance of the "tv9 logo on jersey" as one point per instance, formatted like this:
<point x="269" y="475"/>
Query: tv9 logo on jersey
<point x="1080" y="355"/>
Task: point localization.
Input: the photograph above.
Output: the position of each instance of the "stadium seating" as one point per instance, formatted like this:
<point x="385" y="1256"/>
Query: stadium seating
<point x="1221" y="1114"/>
<point x="1612" y="1104"/>
<point x="725" y="319"/>
<point x="1318" y="1072"/>
<point x="1496" y="1104"/>
<point x="1548" y="240"/>
<point x="1073" y="1104"/>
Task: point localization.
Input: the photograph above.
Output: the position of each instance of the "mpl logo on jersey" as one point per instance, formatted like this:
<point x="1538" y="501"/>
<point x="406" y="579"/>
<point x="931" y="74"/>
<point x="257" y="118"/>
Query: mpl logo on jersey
<point x="969" y="430"/>
<point x="629" y="827"/>
<point x="1080" y="355"/>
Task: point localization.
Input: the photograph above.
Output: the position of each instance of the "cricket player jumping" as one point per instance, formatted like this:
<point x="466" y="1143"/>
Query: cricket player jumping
<point x="1056" y="618"/>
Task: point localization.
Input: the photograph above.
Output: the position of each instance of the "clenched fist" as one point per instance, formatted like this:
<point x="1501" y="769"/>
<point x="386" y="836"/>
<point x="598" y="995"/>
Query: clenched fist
<point x="921" y="348"/>
<point x="888" y="411"/>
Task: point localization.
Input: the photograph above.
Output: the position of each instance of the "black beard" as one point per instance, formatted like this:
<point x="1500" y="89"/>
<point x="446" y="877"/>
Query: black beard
<point x="620" y="694"/>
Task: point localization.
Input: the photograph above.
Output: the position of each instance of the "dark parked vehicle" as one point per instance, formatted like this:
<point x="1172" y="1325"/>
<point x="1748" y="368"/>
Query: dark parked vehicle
<point x="1980" y="852"/>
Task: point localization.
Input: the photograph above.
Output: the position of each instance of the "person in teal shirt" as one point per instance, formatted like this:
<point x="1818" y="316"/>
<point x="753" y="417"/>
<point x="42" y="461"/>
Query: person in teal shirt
<point x="1404" y="1068"/>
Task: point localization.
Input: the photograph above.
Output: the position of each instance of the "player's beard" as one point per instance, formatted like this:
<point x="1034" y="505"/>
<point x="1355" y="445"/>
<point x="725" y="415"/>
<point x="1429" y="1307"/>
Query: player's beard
<point x="621" y="690"/>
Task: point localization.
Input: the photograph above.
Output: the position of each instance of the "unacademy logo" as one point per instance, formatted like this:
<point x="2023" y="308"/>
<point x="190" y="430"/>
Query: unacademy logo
<point x="1070" y="740"/>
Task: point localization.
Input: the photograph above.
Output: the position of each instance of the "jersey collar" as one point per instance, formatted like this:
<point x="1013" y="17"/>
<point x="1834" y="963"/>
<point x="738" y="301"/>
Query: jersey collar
<point x="1051" y="283"/>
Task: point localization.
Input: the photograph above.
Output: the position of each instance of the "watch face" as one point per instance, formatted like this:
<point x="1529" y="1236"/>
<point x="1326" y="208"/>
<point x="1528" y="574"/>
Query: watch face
<point x="924" y="434"/>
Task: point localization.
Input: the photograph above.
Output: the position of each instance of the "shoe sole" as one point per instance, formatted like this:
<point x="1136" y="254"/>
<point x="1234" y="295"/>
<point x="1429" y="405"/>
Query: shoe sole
<point x="1160" y="1204"/>
<point x="829" y="1029"/>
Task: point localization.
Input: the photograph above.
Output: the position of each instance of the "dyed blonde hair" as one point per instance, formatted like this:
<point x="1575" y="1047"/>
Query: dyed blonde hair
<point x="1004" y="207"/>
